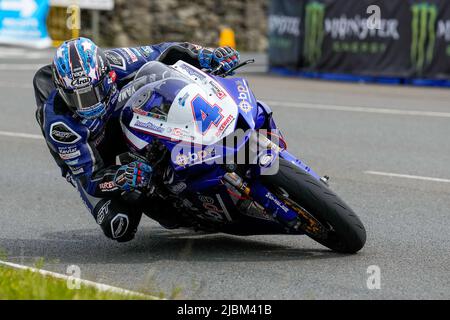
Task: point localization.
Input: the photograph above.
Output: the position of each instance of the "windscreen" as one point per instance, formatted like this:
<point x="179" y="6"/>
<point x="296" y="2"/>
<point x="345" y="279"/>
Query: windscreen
<point x="155" y="87"/>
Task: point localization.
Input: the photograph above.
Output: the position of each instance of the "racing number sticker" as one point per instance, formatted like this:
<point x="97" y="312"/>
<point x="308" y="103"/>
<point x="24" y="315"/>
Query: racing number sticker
<point x="205" y="114"/>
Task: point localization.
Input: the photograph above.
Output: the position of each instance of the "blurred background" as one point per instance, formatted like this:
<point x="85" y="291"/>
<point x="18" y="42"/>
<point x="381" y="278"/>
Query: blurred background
<point x="126" y="23"/>
<point x="355" y="40"/>
<point x="378" y="126"/>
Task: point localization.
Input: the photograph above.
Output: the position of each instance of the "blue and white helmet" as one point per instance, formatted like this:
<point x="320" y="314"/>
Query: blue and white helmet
<point x="83" y="77"/>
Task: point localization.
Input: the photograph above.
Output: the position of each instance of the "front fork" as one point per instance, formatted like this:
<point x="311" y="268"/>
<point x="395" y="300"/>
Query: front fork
<point x="293" y="217"/>
<point x="265" y="198"/>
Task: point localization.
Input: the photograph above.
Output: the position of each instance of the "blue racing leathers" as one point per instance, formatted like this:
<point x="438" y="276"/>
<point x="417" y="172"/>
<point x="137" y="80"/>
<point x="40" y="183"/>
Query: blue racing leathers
<point x="85" y="150"/>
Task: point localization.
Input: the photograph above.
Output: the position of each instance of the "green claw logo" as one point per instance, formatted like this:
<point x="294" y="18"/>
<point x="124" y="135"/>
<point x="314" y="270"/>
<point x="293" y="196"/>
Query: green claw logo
<point x="314" y="32"/>
<point x="423" y="27"/>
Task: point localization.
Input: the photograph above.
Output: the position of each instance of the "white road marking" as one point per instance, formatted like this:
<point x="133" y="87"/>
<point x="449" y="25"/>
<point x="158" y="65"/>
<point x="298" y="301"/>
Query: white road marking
<point x="4" y="84"/>
<point x="407" y="176"/>
<point x="99" y="286"/>
<point x="23" y="53"/>
<point x="21" y="135"/>
<point x="305" y="105"/>
<point x="20" y="67"/>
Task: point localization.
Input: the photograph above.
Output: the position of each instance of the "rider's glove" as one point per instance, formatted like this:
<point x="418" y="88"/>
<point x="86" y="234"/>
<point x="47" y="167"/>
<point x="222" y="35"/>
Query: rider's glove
<point x="225" y="56"/>
<point x="133" y="176"/>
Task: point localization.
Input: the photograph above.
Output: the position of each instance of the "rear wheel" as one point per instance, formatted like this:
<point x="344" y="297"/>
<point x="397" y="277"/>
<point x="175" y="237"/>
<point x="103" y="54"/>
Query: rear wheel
<point x="345" y="232"/>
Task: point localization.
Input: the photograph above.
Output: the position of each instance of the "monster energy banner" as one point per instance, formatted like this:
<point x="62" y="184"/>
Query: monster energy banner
<point x="284" y="33"/>
<point x="381" y="38"/>
<point x="430" y="38"/>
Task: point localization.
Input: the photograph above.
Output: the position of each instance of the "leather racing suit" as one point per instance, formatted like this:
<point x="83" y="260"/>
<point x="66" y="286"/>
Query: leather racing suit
<point x="86" y="150"/>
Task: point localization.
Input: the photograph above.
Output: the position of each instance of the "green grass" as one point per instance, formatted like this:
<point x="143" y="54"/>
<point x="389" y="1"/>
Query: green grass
<point x="27" y="285"/>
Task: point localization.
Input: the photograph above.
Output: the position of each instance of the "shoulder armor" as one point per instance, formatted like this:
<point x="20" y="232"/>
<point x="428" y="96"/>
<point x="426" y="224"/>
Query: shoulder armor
<point x="61" y="133"/>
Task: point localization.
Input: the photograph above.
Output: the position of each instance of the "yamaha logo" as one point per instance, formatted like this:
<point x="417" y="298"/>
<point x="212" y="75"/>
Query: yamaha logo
<point x="81" y="82"/>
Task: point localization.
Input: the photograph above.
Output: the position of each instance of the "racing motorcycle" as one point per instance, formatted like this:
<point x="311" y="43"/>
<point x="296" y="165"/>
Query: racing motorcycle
<point x="221" y="164"/>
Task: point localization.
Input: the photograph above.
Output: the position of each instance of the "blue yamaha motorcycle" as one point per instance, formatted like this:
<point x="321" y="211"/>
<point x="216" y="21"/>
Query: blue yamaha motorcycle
<point x="220" y="162"/>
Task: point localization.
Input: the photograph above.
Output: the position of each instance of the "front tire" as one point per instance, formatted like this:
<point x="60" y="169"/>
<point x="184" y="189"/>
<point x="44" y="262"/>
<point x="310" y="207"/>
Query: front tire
<point x="346" y="232"/>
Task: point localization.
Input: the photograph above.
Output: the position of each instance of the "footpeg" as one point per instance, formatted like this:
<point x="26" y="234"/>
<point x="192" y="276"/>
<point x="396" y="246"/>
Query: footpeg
<point x="325" y="179"/>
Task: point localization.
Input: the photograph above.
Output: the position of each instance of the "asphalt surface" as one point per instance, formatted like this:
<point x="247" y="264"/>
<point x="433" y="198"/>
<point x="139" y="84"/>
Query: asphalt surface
<point x="407" y="220"/>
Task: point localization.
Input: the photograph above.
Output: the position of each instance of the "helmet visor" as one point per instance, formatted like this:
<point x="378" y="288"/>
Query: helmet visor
<point x="84" y="100"/>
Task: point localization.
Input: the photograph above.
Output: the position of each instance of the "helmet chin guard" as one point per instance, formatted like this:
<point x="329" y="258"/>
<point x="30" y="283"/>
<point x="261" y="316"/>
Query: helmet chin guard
<point x="96" y="111"/>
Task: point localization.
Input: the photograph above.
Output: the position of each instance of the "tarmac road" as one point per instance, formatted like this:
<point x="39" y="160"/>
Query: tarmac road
<point x="386" y="148"/>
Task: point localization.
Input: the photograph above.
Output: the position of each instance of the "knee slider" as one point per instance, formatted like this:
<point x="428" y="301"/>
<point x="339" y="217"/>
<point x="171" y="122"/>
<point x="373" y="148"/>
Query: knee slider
<point x="117" y="221"/>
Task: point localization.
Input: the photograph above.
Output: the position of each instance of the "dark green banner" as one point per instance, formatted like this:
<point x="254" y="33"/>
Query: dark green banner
<point x="285" y="34"/>
<point x="380" y="38"/>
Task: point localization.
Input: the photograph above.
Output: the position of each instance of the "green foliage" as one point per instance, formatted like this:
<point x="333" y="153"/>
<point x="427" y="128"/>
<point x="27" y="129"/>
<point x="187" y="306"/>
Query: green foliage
<point x="28" y="285"/>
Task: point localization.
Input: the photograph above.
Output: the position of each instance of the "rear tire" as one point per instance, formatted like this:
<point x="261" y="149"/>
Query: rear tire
<point x="348" y="234"/>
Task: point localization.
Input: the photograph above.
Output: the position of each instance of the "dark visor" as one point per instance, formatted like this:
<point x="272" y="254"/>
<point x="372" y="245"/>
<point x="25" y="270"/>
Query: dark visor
<point x="86" y="98"/>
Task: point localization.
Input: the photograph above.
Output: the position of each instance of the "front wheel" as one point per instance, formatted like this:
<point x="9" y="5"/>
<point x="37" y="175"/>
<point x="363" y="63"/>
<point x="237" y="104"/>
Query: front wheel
<point x="345" y="232"/>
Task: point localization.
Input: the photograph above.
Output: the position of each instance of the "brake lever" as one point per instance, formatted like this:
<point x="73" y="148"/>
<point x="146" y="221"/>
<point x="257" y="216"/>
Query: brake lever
<point x="244" y="63"/>
<point x="227" y="73"/>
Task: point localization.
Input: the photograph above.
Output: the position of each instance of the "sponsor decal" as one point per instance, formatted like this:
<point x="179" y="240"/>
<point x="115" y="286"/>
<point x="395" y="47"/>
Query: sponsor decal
<point x="80" y="73"/>
<point x="277" y="202"/>
<point x="192" y="72"/>
<point x="244" y="96"/>
<point x="212" y="212"/>
<point x="146" y="50"/>
<point x="175" y="131"/>
<point x="193" y="157"/>
<point x="217" y="90"/>
<point x="139" y="111"/>
<point x="103" y="212"/>
<point x="121" y="179"/>
<point x="178" y="188"/>
<point x="119" y="225"/>
<point x="423" y="39"/>
<point x="181" y="160"/>
<point x="108" y="186"/>
<point x="99" y="138"/>
<point x="136" y="51"/>
<point x="179" y="133"/>
<point x="148" y="126"/>
<point x="81" y="82"/>
<point x="102" y="64"/>
<point x="77" y="170"/>
<point x="153" y="115"/>
<point x="224" y="125"/>
<point x="284" y="25"/>
<point x="61" y="133"/>
<point x="115" y="59"/>
<point x="112" y="77"/>
<point x="245" y="106"/>
<point x="357" y="27"/>
<point x="72" y="162"/>
<point x="68" y="153"/>
<point x="129" y="55"/>
<point x="348" y="34"/>
<point x="126" y="93"/>
<point x="205" y="199"/>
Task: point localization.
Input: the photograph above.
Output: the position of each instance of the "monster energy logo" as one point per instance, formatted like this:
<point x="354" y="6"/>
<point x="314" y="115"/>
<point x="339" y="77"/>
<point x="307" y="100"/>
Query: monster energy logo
<point x="424" y="20"/>
<point x="314" y="32"/>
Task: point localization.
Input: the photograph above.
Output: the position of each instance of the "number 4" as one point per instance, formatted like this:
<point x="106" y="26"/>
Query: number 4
<point x="205" y="114"/>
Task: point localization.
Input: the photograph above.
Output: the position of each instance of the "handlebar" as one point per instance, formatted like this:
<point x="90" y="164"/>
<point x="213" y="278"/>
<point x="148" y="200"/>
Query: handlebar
<point x="216" y="70"/>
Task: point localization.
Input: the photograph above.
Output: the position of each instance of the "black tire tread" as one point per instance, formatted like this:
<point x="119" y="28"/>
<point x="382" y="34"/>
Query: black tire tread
<point x="324" y="204"/>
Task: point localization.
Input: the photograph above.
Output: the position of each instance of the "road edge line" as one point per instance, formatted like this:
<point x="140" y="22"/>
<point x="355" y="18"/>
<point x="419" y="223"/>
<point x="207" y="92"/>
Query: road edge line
<point x="99" y="286"/>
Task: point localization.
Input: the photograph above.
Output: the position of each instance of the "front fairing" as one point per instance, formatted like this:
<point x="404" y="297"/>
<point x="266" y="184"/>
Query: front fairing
<point x="244" y="98"/>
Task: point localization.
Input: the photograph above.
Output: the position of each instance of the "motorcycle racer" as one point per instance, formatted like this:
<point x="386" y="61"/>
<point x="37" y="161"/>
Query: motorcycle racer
<point x="78" y="112"/>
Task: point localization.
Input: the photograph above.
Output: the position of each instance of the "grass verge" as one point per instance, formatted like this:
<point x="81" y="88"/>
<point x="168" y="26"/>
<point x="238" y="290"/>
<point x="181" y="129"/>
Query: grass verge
<point x="27" y="285"/>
